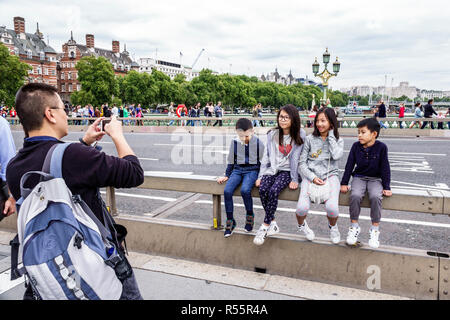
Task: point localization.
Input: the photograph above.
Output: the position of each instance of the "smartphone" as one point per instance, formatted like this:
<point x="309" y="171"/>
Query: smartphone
<point x="103" y="123"/>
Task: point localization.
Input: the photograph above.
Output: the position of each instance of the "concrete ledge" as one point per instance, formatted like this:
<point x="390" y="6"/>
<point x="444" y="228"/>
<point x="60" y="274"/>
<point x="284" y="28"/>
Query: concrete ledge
<point x="404" y="272"/>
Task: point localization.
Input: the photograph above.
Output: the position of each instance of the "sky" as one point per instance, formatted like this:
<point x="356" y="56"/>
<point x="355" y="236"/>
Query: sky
<point x="377" y="42"/>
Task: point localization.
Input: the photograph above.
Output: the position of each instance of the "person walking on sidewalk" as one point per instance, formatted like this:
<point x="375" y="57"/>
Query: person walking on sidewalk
<point x="428" y="113"/>
<point x="417" y="114"/>
<point x="382" y="113"/>
<point x="401" y="114"/>
<point x="218" y="111"/>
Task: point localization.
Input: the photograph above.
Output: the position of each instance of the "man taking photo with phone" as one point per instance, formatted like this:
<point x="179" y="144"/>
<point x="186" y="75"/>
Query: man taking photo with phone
<point x="84" y="168"/>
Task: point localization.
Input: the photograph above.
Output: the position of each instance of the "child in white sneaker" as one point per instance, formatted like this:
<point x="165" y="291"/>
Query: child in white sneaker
<point x="373" y="173"/>
<point x="319" y="169"/>
<point x="279" y="166"/>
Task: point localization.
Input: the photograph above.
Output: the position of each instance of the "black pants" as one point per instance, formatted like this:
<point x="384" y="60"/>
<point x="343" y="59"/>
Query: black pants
<point x="425" y="124"/>
<point x="218" y="121"/>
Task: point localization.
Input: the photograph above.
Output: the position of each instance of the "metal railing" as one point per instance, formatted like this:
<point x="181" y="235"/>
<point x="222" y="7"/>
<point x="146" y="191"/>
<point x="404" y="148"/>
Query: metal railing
<point x="268" y="121"/>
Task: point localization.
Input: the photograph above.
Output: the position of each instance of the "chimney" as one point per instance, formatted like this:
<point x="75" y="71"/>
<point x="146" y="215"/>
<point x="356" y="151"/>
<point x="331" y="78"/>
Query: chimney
<point x="115" y="46"/>
<point x="90" y="40"/>
<point x="19" y="25"/>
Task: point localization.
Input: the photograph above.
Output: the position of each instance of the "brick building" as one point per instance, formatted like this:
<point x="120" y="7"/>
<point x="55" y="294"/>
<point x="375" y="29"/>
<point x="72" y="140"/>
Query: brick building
<point x="72" y="52"/>
<point x="31" y="49"/>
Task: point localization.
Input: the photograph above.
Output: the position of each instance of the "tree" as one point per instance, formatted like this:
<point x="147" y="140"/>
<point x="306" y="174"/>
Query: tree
<point x="12" y="75"/>
<point x="97" y="79"/>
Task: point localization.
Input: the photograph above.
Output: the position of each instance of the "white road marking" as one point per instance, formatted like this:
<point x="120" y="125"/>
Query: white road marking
<point x="6" y="283"/>
<point x="78" y="141"/>
<point x="148" y="159"/>
<point x="418" y="185"/>
<point x="362" y="217"/>
<point x="170" y="173"/>
<point x="121" y="194"/>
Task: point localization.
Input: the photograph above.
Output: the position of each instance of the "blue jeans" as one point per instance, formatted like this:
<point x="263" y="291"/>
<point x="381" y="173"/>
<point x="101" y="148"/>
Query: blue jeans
<point x="248" y="177"/>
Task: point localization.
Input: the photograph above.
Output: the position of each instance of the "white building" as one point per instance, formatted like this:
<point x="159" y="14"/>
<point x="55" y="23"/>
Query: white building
<point x="431" y="94"/>
<point x="403" y="90"/>
<point x="277" y="78"/>
<point x="169" y="68"/>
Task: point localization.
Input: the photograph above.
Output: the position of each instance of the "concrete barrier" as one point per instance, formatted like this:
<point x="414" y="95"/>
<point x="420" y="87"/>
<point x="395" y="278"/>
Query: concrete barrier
<point x="400" y="271"/>
<point x="412" y="273"/>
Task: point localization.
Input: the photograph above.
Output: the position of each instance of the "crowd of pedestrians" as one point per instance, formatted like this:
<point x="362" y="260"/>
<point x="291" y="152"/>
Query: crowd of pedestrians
<point x="426" y="111"/>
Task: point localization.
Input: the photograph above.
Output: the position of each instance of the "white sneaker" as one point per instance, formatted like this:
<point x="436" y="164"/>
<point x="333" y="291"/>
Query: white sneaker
<point x="273" y="229"/>
<point x="307" y="231"/>
<point x="352" y="236"/>
<point x="335" y="236"/>
<point x="373" y="240"/>
<point x="261" y="235"/>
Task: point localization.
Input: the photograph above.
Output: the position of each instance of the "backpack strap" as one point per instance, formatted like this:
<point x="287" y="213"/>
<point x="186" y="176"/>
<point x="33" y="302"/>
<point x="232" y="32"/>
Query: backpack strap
<point x="15" y="271"/>
<point x="53" y="160"/>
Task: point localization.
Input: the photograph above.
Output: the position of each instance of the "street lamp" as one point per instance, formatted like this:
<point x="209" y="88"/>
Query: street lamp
<point x="325" y="75"/>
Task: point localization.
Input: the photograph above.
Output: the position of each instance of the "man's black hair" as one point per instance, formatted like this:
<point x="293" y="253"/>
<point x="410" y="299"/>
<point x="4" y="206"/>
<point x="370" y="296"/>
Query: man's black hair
<point x="31" y="101"/>
<point x="372" y="124"/>
<point x="430" y="101"/>
<point x="244" y="124"/>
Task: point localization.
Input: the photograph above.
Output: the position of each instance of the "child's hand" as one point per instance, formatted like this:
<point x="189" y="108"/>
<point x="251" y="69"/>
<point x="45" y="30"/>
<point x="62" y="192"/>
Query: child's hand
<point x="258" y="183"/>
<point x="221" y="180"/>
<point x="387" y="193"/>
<point x="293" y="185"/>
<point x="344" y="189"/>
<point x="318" y="181"/>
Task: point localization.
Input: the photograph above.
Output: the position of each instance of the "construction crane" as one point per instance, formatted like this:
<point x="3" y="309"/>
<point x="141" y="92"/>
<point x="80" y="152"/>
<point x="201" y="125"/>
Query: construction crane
<point x="197" y="58"/>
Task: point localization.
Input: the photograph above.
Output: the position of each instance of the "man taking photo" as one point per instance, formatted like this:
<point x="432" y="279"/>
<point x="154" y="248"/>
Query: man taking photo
<point x="84" y="168"/>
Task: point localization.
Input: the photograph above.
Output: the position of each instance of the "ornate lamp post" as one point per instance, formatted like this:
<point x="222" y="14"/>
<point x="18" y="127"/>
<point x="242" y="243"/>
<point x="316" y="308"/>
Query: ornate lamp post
<point x="325" y="75"/>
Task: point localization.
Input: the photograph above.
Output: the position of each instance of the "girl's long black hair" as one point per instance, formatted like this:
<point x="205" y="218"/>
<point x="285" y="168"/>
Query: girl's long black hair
<point x="294" y="131"/>
<point x="331" y="117"/>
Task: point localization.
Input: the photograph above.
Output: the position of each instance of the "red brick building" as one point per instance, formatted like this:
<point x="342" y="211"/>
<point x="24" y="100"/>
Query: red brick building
<point x="73" y="52"/>
<point x="31" y="49"/>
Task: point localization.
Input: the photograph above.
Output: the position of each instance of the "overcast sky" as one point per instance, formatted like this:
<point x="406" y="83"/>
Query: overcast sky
<point x="405" y="40"/>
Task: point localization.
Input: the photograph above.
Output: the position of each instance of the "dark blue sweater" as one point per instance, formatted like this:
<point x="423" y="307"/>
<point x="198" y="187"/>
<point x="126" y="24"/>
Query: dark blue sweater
<point x="370" y="162"/>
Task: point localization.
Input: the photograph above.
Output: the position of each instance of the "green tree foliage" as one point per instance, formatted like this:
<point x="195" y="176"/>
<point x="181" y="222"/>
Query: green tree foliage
<point x="13" y="73"/>
<point x="98" y="81"/>
<point x="235" y="91"/>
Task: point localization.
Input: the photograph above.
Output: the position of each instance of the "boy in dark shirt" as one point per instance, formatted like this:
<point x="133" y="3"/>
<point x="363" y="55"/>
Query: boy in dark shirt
<point x="244" y="160"/>
<point x="373" y="173"/>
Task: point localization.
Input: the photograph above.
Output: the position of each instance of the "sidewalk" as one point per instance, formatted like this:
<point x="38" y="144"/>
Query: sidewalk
<point x="162" y="278"/>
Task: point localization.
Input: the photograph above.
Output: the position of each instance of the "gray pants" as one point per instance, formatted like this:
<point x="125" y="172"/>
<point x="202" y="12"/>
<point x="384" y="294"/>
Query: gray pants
<point x="374" y="189"/>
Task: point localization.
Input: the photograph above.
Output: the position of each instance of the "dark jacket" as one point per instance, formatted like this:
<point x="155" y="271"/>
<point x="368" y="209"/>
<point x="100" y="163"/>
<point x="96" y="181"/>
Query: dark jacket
<point x="428" y="111"/>
<point x="382" y="111"/>
<point x="370" y="162"/>
<point x="84" y="170"/>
